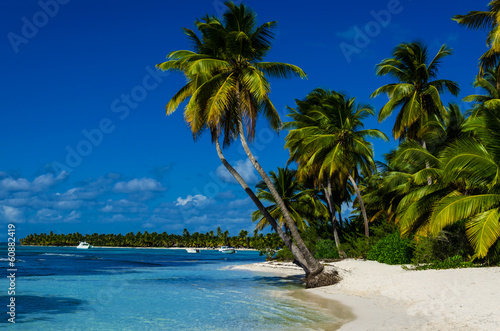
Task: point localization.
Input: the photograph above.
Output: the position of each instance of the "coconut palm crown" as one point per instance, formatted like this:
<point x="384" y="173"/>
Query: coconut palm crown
<point x="227" y="80"/>
<point x="489" y="82"/>
<point x="487" y="20"/>
<point x="417" y="96"/>
<point x="327" y="139"/>
<point x="326" y="134"/>
<point x="302" y="203"/>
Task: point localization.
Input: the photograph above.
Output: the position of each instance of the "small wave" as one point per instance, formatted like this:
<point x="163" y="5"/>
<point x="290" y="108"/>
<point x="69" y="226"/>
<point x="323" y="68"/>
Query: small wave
<point x="3" y="259"/>
<point x="61" y="254"/>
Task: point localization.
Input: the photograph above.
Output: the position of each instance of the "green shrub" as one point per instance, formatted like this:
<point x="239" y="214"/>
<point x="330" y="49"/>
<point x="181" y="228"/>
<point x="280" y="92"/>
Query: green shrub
<point x="326" y="249"/>
<point x="392" y="250"/>
<point x="425" y="251"/>
<point x="284" y="254"/>
<point x="358" y="246"/>
<point x="269" y="253"/>
<point x="453" y="262"/>
<point x="450" y="242"/>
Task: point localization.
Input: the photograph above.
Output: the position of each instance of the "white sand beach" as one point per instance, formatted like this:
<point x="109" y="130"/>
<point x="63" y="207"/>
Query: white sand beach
<point x="385" y="297"/>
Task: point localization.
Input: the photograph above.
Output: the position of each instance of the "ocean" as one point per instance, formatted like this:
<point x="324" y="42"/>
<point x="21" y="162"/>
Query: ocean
<point x="62" y="288"/>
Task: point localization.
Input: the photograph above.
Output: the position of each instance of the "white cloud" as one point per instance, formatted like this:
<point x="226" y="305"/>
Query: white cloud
<point x="198" y="220"/>
<point x="11" y="184"/>
<point x="107" y="209"/>
<point x="244" y="167"/>
<point x="11" y="214"/>
<point x="43" y="182"/>
<point x="121" y="218"/>
<point x="40" y="183"/>
<point x="80" y="193"/>
<point x="124" y="206"/>
<point x="196" y="200"/>
<point x="68" y="204"/>
<point x="138" y="185"/>
<point x="74" y="216"/>
<point x="49" y="215"/>
<point x="240" y="203"/>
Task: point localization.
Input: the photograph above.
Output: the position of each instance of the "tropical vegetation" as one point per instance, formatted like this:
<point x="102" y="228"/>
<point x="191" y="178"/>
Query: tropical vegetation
<point x="228" y="88"/>
<point x="435" y="198"/>
<point x="209" y="239"/>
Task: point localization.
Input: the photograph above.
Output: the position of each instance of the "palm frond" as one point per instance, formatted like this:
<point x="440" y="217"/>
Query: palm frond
<point x="483" y="230"/>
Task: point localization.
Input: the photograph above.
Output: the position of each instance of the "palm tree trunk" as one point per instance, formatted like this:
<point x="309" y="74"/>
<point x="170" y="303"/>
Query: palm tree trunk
<point x="300" y="260"/>
<point x="427" y="165"/>
<point x="312" y="267"/>
<point x="331" y="210"/>
<point x="361" y="205"/>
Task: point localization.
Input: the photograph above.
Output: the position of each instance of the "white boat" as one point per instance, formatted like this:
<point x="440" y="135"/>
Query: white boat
<point x="192" y="250"/>
<point x="84" y="245"/>
<point x="227" y="250"/>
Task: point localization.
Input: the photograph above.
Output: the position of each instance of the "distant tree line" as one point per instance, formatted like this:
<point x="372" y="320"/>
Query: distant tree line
<point x="154" y="239"/>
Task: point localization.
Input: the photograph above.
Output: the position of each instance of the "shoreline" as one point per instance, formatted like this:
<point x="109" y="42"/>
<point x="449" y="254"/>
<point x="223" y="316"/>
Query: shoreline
<point x="173" y="248"/>
<point x="386" y="297"/>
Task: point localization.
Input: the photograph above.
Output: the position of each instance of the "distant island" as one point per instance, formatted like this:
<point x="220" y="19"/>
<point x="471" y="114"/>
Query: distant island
<point x="154" y="239"/>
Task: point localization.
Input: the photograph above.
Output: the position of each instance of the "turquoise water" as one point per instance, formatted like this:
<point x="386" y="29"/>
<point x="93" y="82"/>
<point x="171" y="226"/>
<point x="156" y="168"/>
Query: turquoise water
<point x="148" y="289"/>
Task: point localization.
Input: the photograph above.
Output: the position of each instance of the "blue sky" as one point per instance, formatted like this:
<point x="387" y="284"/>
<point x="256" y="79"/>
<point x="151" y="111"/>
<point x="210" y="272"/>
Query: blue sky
<point x="86" y="146"/>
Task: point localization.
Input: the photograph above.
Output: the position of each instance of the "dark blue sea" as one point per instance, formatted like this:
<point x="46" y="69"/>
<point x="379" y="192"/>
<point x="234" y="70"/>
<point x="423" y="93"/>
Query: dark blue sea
<point x="148" y="289"/>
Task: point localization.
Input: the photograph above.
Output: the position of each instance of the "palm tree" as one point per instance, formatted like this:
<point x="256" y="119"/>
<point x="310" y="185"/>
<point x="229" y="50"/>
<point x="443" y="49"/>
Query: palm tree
<point x="465" y="169"/>
<point x="487" y="20"/>
<point x="326" y="138"/>
<point x="490" y="83"/>
<point x="416" y="95"/>
<point x="475" y="162"/>
<point x="228" y="88"/>
<point x="301" y="202"/>
<point x="401" y="192"/>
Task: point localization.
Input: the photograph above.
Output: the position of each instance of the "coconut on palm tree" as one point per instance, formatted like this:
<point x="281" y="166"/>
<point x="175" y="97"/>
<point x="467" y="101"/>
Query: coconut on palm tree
<point x="228" y="88"/>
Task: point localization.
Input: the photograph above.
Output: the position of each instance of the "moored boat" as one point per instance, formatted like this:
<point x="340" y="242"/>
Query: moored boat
<point x="84" y="245"/>
<point x="192" y="250"/>
<point x="227" y="250"/>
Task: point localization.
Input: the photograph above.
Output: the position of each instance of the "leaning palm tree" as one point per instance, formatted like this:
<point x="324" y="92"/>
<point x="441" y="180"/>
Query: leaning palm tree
<point x="487" y="20"/>
<point x="227" y="90"/>
<point x="417" y="96"/>
<point x="326" y="138"/>
<point x="301" y="202"/>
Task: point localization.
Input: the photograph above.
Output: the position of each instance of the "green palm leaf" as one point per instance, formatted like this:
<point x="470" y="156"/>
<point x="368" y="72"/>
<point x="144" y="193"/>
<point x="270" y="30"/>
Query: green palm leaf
<point x="456" y="207"/>
<point x="483" y="231"/>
